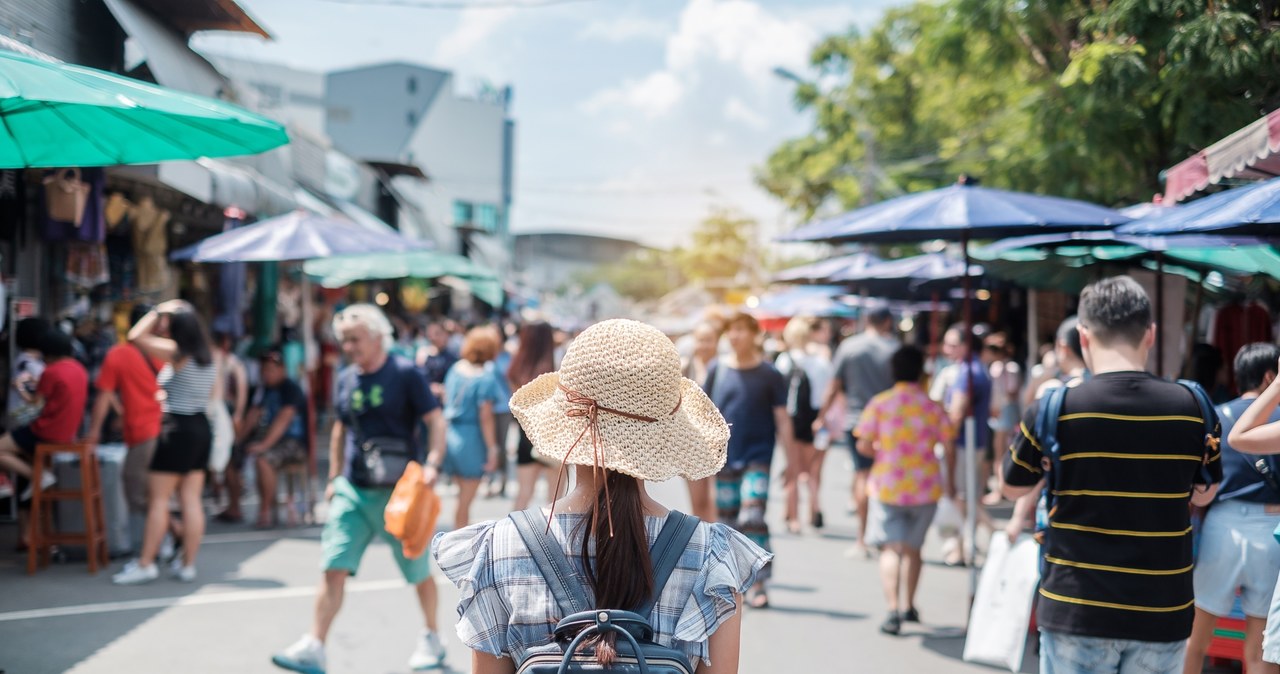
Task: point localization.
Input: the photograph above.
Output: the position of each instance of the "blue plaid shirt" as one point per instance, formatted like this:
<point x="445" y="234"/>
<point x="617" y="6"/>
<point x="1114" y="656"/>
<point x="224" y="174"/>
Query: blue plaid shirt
<point x="506" y="607"/>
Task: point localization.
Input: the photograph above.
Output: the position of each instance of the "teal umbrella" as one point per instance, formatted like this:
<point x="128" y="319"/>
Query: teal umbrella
<point x="58" y="114"/>
<point x="335" y="272"/>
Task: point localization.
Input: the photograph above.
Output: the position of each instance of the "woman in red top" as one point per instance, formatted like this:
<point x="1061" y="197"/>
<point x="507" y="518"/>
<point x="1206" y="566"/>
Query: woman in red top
<point x="63" y="389"/>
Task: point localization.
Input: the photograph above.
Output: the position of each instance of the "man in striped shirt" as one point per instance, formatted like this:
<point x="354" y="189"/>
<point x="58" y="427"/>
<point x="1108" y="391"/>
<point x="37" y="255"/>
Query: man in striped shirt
<point x="1116" y="591"/>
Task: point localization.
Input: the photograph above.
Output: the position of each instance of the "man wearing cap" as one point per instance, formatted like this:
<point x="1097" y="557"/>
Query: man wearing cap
<point x="862" y="373"/>
<point x="276" y="430"/>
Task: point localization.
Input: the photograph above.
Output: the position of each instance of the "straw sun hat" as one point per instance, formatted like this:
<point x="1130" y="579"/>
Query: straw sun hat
<point x="619" y="402"/>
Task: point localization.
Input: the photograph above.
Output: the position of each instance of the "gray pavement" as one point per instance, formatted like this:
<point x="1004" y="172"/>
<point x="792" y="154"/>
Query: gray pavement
<point x="255" y="594"/>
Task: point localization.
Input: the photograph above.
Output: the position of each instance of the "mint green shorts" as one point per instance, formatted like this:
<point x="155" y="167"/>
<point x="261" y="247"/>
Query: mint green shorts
<point x="355" y="518"/>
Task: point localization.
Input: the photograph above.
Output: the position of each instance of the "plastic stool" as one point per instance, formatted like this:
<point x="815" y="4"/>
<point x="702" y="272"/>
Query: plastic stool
<point x="89" y="493"/>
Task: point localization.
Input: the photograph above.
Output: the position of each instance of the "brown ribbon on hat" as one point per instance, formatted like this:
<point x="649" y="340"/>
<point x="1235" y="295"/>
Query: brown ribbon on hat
<point x="590" y="409"/>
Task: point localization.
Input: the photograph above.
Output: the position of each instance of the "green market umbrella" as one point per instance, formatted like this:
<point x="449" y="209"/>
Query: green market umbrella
<point x="335" y="272"/>
<point x="59" y="114"/>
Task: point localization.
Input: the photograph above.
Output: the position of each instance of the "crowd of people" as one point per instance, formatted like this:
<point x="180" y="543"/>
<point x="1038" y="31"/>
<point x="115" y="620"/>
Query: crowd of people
<point x="1105" y="463"/>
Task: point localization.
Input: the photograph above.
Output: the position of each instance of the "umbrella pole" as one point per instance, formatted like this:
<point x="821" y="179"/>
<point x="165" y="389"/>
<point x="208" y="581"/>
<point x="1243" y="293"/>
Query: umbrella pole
<point x="1159" y="314"/>
<point x="1195" y="322"/>
<point x="970" y="436"/>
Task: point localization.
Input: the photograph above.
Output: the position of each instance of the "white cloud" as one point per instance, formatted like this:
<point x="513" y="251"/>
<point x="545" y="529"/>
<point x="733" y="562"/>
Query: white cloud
<point x="625" y="28"/>
<point x="718" y="44"/>
<point x="737" y="111"/>
<point x="475" y="27"/>
<point x="653" y="96"/>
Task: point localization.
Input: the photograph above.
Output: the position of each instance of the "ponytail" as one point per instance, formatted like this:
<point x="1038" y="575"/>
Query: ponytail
<point x="622" y="575"/>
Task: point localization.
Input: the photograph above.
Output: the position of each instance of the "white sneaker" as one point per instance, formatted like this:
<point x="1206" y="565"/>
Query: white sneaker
<point x="306" y="655"/>
<point x="429" y="653"/>
<point x="167" y="548"/>
<point x="46" y="480"/>
<point x="181" y="572"/>
<point x="134" y="573"/>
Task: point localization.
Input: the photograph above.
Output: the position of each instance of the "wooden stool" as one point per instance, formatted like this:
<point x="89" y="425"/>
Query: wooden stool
<point x="89" y="493"/>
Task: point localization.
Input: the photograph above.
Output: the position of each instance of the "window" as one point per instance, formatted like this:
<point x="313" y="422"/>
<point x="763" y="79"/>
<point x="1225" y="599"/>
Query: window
<point x="462" y="213"/>
<point x="487" y="217"/>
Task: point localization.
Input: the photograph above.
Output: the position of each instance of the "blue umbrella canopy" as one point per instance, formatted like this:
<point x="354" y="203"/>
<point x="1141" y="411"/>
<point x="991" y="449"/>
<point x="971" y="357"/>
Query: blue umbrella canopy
<point x="960" y="211"/>
<point x="823" y="270"/>
<point x="1252" y="209"/>
<point x="821" y="301"/>
<point x="917" y="268"/>
<point x="300" y="235"/>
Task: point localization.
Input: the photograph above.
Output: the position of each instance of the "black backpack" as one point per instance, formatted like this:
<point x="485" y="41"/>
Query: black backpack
<point x="637" y="651"/>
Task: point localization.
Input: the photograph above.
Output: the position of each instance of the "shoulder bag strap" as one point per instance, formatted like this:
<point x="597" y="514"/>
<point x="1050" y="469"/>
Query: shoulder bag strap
<point x="147" y="359"/>
<point x="1046" y="432"/>
<point x="551" y="561"/>
<point x="666" y="552"/>
<point x="1210" y="417"/>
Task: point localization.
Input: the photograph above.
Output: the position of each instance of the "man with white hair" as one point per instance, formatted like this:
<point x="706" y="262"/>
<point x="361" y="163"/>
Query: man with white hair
<point x="380" y="399"/>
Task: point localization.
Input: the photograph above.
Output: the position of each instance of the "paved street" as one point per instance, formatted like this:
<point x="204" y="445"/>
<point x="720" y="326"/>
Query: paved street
<point x="255" y="593"/>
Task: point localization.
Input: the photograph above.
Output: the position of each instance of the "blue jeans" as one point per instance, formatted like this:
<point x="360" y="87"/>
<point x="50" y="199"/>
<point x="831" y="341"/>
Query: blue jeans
<point x="1069" y="654"/>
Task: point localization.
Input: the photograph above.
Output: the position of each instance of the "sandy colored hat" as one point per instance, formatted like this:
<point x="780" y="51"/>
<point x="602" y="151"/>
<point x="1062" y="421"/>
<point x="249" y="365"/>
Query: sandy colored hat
<point x="619" y="393"/>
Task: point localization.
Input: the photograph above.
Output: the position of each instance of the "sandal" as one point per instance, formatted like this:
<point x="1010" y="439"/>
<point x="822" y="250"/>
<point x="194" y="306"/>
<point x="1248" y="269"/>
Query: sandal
<point x="757" y="598"/>
<point x="227" y="518"/>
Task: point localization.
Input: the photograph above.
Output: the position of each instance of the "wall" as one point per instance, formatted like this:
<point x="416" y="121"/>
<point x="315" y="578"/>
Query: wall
<point x="77" y="31"/>
<point x="295" y="97"/>
<point x="372" y="112"/>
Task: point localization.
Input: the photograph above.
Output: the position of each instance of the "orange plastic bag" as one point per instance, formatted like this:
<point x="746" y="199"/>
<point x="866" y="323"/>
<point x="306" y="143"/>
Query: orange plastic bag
<point x="412" y="511"/>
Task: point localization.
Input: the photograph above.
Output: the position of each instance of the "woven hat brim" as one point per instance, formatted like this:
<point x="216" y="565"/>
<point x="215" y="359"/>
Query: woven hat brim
<point x="691" y="443"/>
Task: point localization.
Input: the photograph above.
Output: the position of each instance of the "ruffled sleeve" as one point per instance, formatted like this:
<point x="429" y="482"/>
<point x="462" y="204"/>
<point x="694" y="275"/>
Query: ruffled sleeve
<point x="465" y="557"/>
<point x="731" y="565"/>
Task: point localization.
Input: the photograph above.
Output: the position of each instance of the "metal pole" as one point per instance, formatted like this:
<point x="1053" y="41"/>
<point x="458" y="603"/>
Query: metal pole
<point x="1159" y="314"/>
<point x="970" y="449"/>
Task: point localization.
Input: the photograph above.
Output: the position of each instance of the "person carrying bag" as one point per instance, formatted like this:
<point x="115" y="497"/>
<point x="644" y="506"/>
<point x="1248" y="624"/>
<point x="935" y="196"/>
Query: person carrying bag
<point x="628" y="585"/>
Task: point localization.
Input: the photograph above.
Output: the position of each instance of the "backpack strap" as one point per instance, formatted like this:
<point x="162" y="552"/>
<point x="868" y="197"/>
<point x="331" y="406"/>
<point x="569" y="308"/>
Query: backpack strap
<point x="666" y="552"/>
<point x="1046" y="433"/>
<point x="1210" y="417"/>
<point x="550" y="560"/>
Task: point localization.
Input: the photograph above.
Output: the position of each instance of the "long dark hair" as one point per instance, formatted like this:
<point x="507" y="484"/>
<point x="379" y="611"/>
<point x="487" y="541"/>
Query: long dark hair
<point x="622" y="574"/>
<point x="536" y="355"/>
<point x="187" y="331"/>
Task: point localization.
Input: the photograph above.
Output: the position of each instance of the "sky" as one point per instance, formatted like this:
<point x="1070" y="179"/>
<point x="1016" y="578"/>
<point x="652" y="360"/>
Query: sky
<point x="634" y="117"/>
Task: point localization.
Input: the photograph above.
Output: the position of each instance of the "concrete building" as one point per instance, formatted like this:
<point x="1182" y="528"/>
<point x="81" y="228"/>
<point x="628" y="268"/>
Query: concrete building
<point x="293" y="96"/>
<point x="548" y="262"/>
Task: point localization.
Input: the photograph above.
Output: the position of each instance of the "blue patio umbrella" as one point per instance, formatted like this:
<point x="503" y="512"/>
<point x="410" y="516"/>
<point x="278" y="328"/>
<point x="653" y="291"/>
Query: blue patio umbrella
<point x="820" y="301"/>
<point x="1252" y="209"/>
<point x="822" y="271"/>
<point x="300" y="235"/>
<point x="916" y="269"/>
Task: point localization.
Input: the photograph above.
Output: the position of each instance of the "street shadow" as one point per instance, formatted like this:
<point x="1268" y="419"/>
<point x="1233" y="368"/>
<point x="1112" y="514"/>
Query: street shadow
<point x="775" y="607"/>
<point x="949" y="643"/>
<point x="807" y="589"/>
<point x="249" y="583"/>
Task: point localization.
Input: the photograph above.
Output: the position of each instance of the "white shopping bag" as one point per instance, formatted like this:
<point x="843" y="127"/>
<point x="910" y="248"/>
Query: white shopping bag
<point x="1002" y="608"/>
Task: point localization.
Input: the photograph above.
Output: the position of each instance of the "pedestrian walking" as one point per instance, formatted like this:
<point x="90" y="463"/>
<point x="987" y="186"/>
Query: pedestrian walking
<point x="1124" y="454"/>
<point x="752" y="396"/>
<point x="862" y="372"/>
<point x="969" y="394"/>
<point x="621" y="413"/>
<point x="381" y="398"/>
<point x="706" y="346"/>
<point x="1006" y="407"/>
<point x="1237" y="554"/>
<point x="498" y="368"/>
<point x="807" y="374"/>
<point x="900" y="428"/>
<point x="437" y="356"/>
<point x="173" y="333"/>
<point x="127" y="384"/>
<point x="227" y="410"/>
<point x="534" y="357"/>
<point x="471" y="393"/>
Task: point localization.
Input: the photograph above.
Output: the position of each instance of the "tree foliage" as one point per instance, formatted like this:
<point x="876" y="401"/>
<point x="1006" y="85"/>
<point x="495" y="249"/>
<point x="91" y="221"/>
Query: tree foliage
<point x="646" y="274"/>
<point x="1086" y="99"/>
<point x="721" y="249"/>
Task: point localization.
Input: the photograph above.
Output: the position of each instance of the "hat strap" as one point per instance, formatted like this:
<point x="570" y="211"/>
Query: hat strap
<point x="585" y="406"/>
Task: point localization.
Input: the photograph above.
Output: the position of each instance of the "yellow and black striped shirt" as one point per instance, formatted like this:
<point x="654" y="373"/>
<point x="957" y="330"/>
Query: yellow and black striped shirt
<point x="1118" y="553"/>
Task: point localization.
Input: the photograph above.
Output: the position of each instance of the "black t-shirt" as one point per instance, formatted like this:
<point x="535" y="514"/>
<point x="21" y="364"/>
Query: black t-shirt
<point x="1241" y="481"/>
<point x="389" y="402"/>
<point x="1118" y="550"/>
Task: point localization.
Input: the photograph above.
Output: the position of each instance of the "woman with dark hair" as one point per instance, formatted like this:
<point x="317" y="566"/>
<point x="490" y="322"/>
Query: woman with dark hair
<point x="620" y="411"/>
<point x="173" y="333"/>
<point x="534" y="357"/>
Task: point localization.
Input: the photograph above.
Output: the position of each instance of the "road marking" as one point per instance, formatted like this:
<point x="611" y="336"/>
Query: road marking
<point x="196" y="600"/>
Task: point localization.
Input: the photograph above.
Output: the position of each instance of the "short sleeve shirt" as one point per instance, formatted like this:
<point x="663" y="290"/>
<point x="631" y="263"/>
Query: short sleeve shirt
<point x="272" y="400"/>
<point x="1118" y="550"/>
<point x="981" y="397"/>
<point x="862" y="364"/>
<point x="463" y="395"/>
<point x="64" y="386"/>
<point x="387" y="403"/>
<point x="126" y="372"/>
<point x="905" y="425"/>
<point x="747" y="399"/>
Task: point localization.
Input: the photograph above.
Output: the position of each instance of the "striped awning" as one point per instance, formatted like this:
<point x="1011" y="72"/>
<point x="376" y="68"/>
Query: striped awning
<point x="1252" y="153"/>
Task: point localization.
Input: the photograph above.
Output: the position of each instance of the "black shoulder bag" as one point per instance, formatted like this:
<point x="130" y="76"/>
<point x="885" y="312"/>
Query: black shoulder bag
<point x="380" y="460"/>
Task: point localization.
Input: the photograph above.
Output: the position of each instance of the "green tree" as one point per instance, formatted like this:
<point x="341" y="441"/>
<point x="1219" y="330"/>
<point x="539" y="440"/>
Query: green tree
<point x="721" y="250"/>
<point x="646" y="274"/>
<point x="1083" y="99"/>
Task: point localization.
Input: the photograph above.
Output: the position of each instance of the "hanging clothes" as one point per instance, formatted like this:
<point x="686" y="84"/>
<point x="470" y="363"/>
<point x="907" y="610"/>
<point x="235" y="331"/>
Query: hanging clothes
<point x="87" y="265"/>
<point x="232" y="278"/>
<point x="150" y="244"/>
<point x="93" y="226"/>
<point x="1236" y="325"/>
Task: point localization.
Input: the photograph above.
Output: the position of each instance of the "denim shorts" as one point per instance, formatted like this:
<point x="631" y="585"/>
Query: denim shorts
<point x="1237" y="552"/>
<point x="1070" y="654"/>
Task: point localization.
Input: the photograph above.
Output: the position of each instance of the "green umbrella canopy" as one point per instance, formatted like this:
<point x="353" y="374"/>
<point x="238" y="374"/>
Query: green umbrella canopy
<point x="335" y="272"/>
<point x="58" y="114"/>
